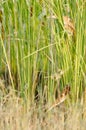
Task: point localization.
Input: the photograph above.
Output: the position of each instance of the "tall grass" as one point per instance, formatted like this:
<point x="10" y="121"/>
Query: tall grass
<point x="35" y="46"/>
<point x="39" y="55"/>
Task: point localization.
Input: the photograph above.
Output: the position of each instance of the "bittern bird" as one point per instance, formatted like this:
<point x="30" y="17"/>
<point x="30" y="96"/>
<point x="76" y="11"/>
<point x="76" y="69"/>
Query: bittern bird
<point x="69" y="25"/>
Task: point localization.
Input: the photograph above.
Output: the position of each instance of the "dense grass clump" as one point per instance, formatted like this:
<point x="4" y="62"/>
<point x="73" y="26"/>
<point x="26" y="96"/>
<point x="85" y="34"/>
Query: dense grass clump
<point x="42" y="49"/>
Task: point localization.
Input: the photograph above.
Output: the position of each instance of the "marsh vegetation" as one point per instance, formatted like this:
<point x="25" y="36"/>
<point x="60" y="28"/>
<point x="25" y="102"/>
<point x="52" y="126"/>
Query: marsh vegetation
<point x="42" y="52"/>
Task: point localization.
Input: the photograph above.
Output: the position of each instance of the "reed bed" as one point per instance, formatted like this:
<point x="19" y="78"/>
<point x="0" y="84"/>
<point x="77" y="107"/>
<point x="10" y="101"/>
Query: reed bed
<point x="42" y="50"/>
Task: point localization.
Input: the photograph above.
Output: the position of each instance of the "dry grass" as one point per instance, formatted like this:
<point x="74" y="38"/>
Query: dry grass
<point x="14" y="115"/>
